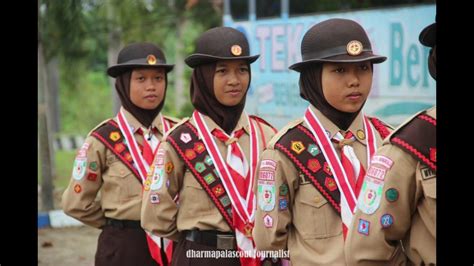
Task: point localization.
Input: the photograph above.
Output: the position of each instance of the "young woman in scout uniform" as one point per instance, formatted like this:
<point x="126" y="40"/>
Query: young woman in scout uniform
<point x="406" y="209"/>
<point x="115" y="158"/>
<point x="310" y="175"/>
<point x="201" y="188"/>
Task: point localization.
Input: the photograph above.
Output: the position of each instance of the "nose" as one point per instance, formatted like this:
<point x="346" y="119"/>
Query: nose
<point x="151" y="85"/>
<point x="353" y="79"/>
<point x="233" y="79"/>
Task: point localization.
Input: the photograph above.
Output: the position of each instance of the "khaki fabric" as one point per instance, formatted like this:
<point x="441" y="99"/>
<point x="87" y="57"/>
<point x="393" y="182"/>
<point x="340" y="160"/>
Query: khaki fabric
<point x="413" y="212"/>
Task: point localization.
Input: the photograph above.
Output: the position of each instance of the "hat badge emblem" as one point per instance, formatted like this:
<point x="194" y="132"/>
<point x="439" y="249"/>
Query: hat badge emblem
<point x="354" y="47"/>
<point x="151" y="59"/>
<point x="236" y="50"/>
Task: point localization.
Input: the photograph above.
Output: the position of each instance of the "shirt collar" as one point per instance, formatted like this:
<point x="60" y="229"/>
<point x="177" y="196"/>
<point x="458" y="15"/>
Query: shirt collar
<point x="135" y="124"/>
<point x="242" y="123"/>
<point x="356" y="127"/>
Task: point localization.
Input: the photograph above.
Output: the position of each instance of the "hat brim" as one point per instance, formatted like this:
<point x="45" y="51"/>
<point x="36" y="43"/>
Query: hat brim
<point x="376" y="59"/>
<point x="117" y="70"/>
<point x="428" y="35"/>
<point x="201" y="59"/>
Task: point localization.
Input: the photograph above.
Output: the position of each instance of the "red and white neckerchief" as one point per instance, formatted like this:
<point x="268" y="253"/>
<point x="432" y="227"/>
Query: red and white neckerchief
<point x="243" y="208"/>
<point x="140" y="163"/>
<point x="348" y="191"/>
<point x="143" y="167"/>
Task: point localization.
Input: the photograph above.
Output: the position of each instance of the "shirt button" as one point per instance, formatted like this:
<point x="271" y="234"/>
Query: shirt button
<point x="122" y="172"/>
<point x="317" y="199"/>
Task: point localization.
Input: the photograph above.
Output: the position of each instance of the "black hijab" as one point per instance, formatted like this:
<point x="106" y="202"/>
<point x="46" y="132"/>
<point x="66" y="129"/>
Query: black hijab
<point x="205" y="101"/>
<point x="311" y="89"/>
<point x="144" y="116"/>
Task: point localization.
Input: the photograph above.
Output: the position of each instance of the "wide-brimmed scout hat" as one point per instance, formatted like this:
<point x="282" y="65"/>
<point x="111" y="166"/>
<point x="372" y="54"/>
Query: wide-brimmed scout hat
<point x="336" y="40"/>
<point x="428" y="35"/>
<point x="139" y="55"/>
<point x="221" y="43"/>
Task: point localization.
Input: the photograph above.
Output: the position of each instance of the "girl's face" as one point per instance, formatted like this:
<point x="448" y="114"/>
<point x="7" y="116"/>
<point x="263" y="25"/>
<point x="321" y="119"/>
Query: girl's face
<point x="147" y="87"/>
<point x="231" y="81"/>
<point x="346" y="86"/>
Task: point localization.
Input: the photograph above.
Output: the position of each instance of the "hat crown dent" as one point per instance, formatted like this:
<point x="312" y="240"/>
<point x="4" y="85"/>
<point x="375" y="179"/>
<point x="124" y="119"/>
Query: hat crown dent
<point x="140" y="51"/>
<point x="219" y="42"/>
<point x="332" y="33"/>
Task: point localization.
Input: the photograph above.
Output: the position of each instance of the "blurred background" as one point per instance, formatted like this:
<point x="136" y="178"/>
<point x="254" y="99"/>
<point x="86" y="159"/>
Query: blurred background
<point x="78" y="39"/>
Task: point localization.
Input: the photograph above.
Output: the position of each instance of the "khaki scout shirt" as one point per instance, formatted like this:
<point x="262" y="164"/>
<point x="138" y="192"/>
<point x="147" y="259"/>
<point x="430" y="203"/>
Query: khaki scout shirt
<point x="120" y="190"/>
<point x="195" y="210"/>
<point x="408" y="208"/>
<point x="308" y="227"/>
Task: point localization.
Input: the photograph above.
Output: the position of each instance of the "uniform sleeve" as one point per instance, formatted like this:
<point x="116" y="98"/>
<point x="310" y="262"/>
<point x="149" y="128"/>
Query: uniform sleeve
<point x="159" y="209"/>
<point x="79" y="198"/>
<point x="273" y="194"/>
<point x="385" y="206"/>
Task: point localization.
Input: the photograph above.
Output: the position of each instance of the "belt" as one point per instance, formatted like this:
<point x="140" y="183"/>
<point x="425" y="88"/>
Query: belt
<point x="122" y="223"/>
<point x="212" y="238"/>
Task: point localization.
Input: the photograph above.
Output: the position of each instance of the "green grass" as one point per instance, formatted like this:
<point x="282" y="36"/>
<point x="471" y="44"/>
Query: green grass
<point x="64" y="163"/>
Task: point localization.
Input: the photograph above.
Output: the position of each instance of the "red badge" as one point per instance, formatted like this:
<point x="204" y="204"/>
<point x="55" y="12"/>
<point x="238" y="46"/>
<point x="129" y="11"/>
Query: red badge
<point x="119" y="147"/>
<point x="128" y="157"/>
<point x="433" y="154"/>
<point x="92" y="177"/>
<point x="330" y="184"/>
<point x="218" y="190"/>
<point x="190" y="154"/>
<point x="327" y="168"/>
<point x="314" y="165"/>
<point x="199" y="147"/>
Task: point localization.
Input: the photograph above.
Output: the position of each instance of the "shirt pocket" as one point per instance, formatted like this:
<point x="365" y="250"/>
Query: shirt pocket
<point x="429" y="188"/>
<point x="123" y="181"/>
<point x="194" y="197"/>
<point x="313" y="217"/>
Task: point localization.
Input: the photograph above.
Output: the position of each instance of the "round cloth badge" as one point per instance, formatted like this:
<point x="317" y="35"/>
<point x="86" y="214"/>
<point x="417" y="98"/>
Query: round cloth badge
<point x="386" y="220"/>
<point x="354" y="47"/>
<point x="391" y="194"/>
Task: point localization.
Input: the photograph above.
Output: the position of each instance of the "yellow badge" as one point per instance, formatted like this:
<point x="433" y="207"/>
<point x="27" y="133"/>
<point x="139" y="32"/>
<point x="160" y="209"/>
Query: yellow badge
<point x="114" y="135"/>
<point x="354" y="47"/>
<point x="297" y="146"/>
<point x="151" y="59"/>
<point x="236" y="50"/>
<point x="360" y="134"/>
<point x="248" y="230"/>
<point x="146" y="184"/>
<point x="169" y="167"/>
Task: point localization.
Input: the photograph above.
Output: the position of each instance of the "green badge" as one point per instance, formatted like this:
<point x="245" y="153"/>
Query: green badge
<point x="283" y="190"/>
<point x="313" y="149"/>
<point x="225" y="200"/>
<point x="209" y="178"/>
<point x="93" y="166"/>
<point x="391" y="194"/>
<point x="208" y="160"/>
<point x="200" y="167"/>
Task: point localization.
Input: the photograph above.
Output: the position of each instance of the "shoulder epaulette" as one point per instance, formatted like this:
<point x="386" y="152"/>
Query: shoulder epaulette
<point x="99" y="125"/>
<point x="284" y="130"/>
<point x="178" y="124"/>
<point x="261" y="120"/>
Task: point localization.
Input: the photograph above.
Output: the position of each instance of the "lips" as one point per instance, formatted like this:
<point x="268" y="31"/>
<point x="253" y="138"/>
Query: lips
<point x="151" y="97"/>
<point x="354" y="96"/>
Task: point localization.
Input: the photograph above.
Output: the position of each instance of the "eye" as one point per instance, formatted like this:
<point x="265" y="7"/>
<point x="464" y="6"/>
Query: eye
<point x="221" y="70"/>
<point x="244" y="69"/>
<point x="159" y="78"/>
<point x="140" y="78"/>
<point x="339" y="70"/>
<point x="364" y="67"/>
